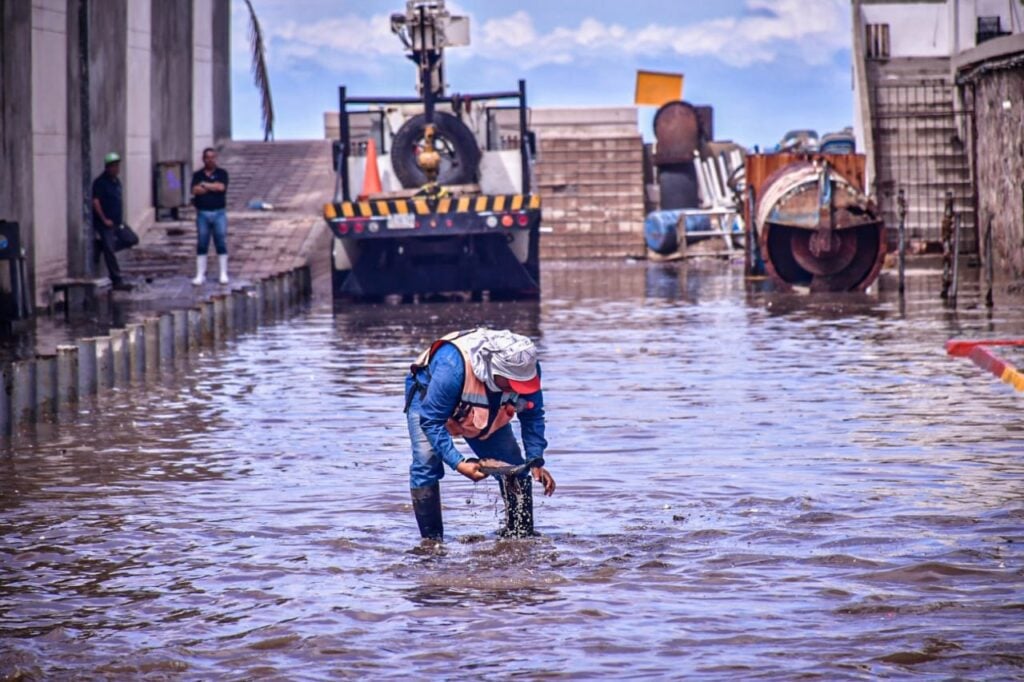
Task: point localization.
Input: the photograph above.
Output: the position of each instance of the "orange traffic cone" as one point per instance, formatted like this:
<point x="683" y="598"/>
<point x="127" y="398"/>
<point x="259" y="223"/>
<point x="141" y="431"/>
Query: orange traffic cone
<point x="371" y="178"/>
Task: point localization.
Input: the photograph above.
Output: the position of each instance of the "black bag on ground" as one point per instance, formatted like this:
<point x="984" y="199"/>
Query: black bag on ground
<point x="125" y="238"/>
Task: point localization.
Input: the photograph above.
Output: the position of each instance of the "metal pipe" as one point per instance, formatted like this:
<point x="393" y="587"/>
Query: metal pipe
<point x="955" y="286"/>
<point x="104" y="363"/>
<point x="151" y="334"/>
<point x="209" y="324"/>
<point x="23" y="393"/>
<point x="195" y="328"/>
<point x="344" y="134"/>
<point x="87" y="377"/>
<point x="524" y="145"/>
<point x="988" y="265"/>
<point x="136" y="332"/>
<point x="180" y="333"/>
<point x="46" y="386"/>
<point x="67" y="376"/>
<point x="121" y="356"/>
<point x="901" y="202"/>
<point x="166" y="322"/>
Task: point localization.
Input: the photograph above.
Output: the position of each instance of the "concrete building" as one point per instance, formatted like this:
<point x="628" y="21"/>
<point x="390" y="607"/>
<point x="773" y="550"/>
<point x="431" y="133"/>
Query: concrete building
<point x="148" y="79"/>
<point x="919" y="122"/>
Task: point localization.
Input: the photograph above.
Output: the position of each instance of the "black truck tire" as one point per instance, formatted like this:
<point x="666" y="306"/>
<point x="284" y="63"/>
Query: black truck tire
<point x="460" y="155"/>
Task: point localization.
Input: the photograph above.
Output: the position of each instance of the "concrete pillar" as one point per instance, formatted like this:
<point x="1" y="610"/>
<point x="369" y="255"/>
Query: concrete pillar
<point x="136" y="333"/>
<point x="46" y="386"/>
<point x="67" y="376"/>
<point x="151" y="332"/>
<point x="108" y="85"/>
<point x="202" y="77"/>
<point x="287" y="292"/>
<point x="257" y="304"/>
<point x="240" y="311"/>
<point x="171" y="85"/>
<point x="16" y="129"/>
<point x="49" y="246"/>
<point x="104" y="363"/>
<point x="23" y="393"/>
<point x="166" y="339"/>
<point x="87" y="375"/>
<point x="221" y="70"/>
<point x="138" y="152"/>
<point x="120" y="349"/>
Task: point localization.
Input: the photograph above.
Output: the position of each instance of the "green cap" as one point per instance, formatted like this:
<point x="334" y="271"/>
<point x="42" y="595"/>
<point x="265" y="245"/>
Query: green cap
<point x="110" y="158"/>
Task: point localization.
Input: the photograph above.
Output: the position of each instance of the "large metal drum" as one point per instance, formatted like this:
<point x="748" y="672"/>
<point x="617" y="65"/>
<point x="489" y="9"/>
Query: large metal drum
<point x="818" y="230"/>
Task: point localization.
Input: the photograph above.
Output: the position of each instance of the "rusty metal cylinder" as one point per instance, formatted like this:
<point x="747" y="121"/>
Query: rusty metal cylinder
<point x="818" y="230"/>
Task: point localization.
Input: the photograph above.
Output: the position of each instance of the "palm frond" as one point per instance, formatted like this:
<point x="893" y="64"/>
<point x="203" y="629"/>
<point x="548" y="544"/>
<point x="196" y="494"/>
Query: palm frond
<point x="259" y="72"/>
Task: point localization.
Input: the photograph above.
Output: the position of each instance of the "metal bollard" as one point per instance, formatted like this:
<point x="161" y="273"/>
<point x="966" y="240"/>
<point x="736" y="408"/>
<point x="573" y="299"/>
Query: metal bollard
<point x="230" y="331"/>
<point x="208" y="323"/>
<point x="87" y="377"/>
<point x="151" y="333"/>
<point x="180" y="332"/>
<point x="67" y="376"/>
<point x="267" y="297"/>
<point x="136" y="350"/>
<point x="257" y="305"/>
<point x="241" y="316"/>
<point x="23" y="393"/>
<point x="166" y="339"/>
<point x="195" y="328"/>
<point x="286" y="292"/>
<point x="281" y="300"/>
<point x="104" y="363"/>
<point x="120" y="356"/>
<point x="219" y="331"/>
<point x="5" y="400"/>
<point x="46" y="386"/>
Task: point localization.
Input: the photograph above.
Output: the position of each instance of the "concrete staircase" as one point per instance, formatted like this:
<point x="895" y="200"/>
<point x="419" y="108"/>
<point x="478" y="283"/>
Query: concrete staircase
<point x="922" y="145"/>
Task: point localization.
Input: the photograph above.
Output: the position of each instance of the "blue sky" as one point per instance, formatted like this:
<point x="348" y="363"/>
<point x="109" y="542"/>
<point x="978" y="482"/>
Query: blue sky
<point x="767" y="66"/>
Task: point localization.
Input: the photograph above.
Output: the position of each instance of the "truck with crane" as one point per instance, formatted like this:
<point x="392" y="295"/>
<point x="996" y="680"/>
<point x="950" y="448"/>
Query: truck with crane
<point x="433" y="193"/>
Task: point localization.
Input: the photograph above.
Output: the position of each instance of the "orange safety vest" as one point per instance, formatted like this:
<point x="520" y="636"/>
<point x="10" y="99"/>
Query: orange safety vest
<point x="472" y="417"/>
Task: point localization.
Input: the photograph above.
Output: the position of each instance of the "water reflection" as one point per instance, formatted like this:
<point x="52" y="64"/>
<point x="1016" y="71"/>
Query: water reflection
<point x="750" y="485"/>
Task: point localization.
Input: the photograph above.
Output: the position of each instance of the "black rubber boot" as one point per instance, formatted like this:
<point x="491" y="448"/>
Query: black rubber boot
<point x="518" y="495"/>
<point x="426" y="503"/>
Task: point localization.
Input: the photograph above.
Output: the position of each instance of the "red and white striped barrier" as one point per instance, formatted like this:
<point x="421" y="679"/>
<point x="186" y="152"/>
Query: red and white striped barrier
<point x="979" y="352"/>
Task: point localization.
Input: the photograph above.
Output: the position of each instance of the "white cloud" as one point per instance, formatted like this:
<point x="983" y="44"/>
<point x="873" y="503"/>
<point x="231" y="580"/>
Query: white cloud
<point x="812" y="31"/>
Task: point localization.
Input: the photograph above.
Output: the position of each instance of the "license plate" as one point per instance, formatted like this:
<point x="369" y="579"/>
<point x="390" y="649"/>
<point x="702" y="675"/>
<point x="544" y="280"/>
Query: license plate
<point x="401" y="221"/>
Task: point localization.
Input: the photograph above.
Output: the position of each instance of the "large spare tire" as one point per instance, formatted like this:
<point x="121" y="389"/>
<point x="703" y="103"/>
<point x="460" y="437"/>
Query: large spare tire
<point x="454" y="141"/>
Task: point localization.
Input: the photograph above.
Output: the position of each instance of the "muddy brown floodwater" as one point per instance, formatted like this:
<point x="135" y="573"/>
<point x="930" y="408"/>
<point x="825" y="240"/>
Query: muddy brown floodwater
<point x="750" y="486"/>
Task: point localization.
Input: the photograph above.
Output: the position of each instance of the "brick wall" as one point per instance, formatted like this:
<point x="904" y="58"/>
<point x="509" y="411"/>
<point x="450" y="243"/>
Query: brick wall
<point x="592" y="195"/>
<point x="1000" y="158"/>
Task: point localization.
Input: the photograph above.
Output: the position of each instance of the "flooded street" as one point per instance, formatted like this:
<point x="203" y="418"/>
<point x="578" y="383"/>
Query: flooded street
<point x="750" y="486"/>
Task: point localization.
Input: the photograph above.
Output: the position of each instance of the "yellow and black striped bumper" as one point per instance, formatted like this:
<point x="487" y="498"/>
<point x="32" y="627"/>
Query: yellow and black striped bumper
<point x="497" y="203"/>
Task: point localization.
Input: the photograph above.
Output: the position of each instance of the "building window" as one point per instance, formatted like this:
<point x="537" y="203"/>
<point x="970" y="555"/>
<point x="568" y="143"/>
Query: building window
<point x="877" y="41"/>
<point x="989" y="28"/>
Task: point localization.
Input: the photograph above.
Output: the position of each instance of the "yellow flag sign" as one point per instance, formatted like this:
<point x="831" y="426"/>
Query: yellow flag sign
<point x="656" y="87"/>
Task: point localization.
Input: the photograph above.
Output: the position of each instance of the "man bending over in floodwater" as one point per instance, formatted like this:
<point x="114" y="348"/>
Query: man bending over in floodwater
<point x="472" y="384"/>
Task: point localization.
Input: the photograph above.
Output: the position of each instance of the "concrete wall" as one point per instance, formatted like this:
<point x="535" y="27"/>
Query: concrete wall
<point x="999" y="98"/>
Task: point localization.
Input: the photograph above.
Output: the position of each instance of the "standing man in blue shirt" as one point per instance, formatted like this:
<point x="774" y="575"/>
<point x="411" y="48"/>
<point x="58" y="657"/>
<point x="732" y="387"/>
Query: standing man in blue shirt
<point x="471" y="384"/>
<point x="209" y="196"/>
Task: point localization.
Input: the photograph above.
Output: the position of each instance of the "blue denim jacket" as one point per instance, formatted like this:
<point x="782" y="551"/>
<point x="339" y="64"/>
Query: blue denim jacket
<point x="444" y="390"/>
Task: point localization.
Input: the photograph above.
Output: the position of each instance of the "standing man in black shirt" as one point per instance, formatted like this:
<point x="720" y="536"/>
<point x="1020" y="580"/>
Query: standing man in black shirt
<point x="209" y="192"/>
<point x="108" y="214"/>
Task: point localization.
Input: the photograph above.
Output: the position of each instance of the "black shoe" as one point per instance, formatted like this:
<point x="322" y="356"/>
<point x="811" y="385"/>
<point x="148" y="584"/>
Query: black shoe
<point x="122" y="286"/>
<point x="517" y="491"/>
<point x="426" y="503"/>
